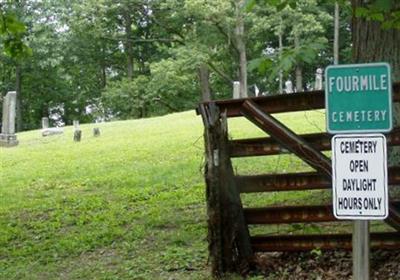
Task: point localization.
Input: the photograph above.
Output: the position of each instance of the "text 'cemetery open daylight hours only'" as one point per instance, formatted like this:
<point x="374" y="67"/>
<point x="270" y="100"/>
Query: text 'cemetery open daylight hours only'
<point x="359" y="176"/>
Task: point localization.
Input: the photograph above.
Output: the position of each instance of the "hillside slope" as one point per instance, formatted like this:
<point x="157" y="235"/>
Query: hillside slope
<point x="127" y="205"/>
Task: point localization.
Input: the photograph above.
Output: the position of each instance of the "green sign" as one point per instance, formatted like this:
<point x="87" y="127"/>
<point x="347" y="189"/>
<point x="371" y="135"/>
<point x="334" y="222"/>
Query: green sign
<point x="358" y="98"/>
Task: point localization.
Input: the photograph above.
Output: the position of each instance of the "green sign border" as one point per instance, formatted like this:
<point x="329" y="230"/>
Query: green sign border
<point x="390" y="102"/>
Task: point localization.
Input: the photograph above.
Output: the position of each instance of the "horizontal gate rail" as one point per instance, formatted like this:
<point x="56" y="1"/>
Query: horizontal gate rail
<point x="289" y="214"/>
<point x="267" y="146"/>
<point x="295" y="181"/>
<point x="300" y="101"/>
<point x="267" y="243"/>
<point x="394" y="216"/>
<point x="297" y="214"/>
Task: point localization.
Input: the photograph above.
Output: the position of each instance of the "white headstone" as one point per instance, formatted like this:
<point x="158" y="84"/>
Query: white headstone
<point x="76" y="124"/>
<point x="318" y="79"/>
<point x="288" y="86"/>
<point x="45" y="123"/>
<point x="52" y="131"/>
<point x="48" y="131"/>
<point x="256" y="90"/>
<point x="236" y="90"/>
<point x="7" y="136"/>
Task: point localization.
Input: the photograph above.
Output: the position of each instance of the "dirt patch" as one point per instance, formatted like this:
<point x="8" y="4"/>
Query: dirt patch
<point x="325" y="265"/>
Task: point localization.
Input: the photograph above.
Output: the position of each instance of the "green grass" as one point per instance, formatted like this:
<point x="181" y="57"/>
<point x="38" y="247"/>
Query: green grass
<point x="127" y="205"/>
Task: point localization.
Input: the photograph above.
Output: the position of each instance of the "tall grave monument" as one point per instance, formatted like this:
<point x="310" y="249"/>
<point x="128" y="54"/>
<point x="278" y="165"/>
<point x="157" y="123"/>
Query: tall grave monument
<point x="7" y="136"/>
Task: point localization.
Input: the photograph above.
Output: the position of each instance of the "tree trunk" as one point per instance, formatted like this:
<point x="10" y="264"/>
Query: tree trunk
<point x="336" y="36"/>
<point x="204" y="78"/>
<point x="19" y="97"/>
<point x="241" y="46"/>
<point x="299" y="71"/>
<point x="372" y="43"/>
<point x="280" y="56"/>
<point x="128" y="42"/>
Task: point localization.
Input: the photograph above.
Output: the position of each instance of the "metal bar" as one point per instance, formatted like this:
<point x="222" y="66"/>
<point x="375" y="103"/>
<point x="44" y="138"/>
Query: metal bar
<point x="284" y="243"/>
<point x="268" y="146"/>
<point x="287" y="138"/>
<point x="302" y="101"/>
<point x="287" y="215"/>
<point x="394" y="216"/>
<point x="361" y="250"/>
<point x="295" y="181"/>
<point x="282" y="182"/>
<point x="294" y="214"/>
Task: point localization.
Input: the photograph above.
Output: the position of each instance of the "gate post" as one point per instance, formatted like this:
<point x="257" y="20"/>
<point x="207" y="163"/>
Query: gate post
<point x="228" y="235"/>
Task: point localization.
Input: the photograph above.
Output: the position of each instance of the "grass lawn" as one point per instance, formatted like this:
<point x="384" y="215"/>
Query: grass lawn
<point x="127" y="205"/>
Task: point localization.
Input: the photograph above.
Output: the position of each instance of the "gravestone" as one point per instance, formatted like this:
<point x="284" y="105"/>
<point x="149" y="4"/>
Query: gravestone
<point x="77" y="135"/>
<point x="318" y="79"/>
<point x="236" y="90"/>
<point x="52" y="131"/>
<point x="45" y="123"/>
<point x="256" y="90"/>
<point x="288" y="86"/>
<point x="96" y="132"/>
<point x="76" y="124"/>
<point x="77" y="131"/>
<point x="7" y="136"/>
<point x="48" y="131"/>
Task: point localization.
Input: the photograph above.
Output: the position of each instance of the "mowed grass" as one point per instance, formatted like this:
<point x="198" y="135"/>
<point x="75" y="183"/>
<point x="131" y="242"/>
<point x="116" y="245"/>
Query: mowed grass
<point x="127" y="205"/>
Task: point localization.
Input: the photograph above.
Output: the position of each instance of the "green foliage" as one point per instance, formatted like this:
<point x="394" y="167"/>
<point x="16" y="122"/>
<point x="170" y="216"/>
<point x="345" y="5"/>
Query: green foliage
<point x="279" y="4"/>
<point x="303" y="30"/>
<point x="290" y="57"/>
<point x="385" y="11"/>
<point x="127" y="98"/>
<point x="171" y="87"/>
<point x="12" y="32"/>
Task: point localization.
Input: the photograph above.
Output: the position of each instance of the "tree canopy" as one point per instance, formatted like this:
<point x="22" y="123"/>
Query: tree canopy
<point x="105" y="59"/>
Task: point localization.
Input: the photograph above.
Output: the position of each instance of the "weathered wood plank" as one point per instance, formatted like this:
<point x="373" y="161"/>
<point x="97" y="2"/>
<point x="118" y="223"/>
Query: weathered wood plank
<point x="265" y="146"/>
<point x="288" y="243"/>
<point x="295" y="181"/>
<point x="300" y="101"/>
<point x="228" y="235"/>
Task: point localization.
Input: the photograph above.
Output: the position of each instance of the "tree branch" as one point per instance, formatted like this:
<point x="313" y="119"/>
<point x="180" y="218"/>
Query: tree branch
<point x="219" y="72"/>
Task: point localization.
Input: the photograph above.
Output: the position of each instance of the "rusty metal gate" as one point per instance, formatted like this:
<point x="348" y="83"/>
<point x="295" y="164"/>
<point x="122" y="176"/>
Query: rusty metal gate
<point x="231" y="247"/>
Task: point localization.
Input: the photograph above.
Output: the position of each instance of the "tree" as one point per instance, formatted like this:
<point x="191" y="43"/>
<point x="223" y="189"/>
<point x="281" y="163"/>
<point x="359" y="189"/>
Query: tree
<point x="301" y="41"/>
<point x="12" y="32"/>
<point x="380" y="21"/>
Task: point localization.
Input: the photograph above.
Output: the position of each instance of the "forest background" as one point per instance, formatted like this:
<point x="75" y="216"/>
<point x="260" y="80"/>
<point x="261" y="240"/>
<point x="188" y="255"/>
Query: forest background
<point x="102" y="59"/>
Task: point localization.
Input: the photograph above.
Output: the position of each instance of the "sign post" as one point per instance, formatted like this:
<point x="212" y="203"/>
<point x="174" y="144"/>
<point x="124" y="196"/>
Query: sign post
<point x="359" y="100"/>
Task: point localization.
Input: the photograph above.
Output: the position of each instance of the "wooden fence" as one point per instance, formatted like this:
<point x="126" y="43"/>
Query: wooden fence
<point x="231" y="247"/>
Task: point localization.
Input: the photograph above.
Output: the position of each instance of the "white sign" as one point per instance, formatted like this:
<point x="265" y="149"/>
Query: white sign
<point x="359" y="177"/>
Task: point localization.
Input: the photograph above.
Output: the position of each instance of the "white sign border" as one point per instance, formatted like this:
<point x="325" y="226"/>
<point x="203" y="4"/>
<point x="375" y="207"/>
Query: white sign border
<point x="372" y="130"/>
<point x="385" y="179"/>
